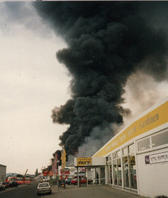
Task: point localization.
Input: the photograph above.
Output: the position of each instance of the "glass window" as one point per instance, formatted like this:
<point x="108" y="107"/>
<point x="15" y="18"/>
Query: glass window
<point x="119" y="175"/>
<point x="126" y="171"/>
<point x="115" y="171"/>
<point x="119" y="153"/>
<point x="125" y="151"/>
<point x="115" y="155"/>
<point x="132" y="169"/>
<point x="109" y="174"/>
<point x="160" y="139"/>
<point x="143" y="144"/>
<point x="131" y="149"/>
<point x="108" y="159"/>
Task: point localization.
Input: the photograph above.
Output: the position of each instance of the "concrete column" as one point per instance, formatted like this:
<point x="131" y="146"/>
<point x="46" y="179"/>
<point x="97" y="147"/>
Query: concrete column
<point x="95" y="177"/>
<point x="99" y="176"/>
<point x="122" y="169"/>
<point x="106" y="174"/>
<point x="78" y="176"/>
<point x="112" y="172"/>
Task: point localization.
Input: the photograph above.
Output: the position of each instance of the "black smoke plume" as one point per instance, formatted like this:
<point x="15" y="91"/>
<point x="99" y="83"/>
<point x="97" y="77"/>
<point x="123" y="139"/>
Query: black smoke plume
<point x="107" y="42"/>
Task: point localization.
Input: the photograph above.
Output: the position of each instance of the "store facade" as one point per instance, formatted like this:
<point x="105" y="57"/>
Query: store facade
<point x="136" y="159"/>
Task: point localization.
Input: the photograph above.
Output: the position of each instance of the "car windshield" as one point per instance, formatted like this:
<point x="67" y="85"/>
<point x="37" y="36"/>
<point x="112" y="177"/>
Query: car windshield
<point x="43" y="185"/>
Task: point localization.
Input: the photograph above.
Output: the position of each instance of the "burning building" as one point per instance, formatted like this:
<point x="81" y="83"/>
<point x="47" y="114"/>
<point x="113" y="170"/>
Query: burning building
<point x="56" y="162"/>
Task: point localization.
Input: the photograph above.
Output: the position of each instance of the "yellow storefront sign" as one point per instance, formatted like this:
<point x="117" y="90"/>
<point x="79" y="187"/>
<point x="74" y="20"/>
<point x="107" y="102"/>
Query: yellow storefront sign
<point x="84" y="161"/>
<point x="151" y="120"/>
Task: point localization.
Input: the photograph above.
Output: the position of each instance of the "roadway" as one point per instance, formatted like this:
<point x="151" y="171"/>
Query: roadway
<point x="22" y="191"/>
<point x="29" y="191"/>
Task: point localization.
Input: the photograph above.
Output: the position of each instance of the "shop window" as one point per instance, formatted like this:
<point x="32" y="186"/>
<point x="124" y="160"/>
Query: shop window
<point x="143" y="144"/>
<point x="160" y="139"/>
<point x="115" y="168"/>
<point x="109" y="174"/>
<point x="125" y="151"/>
<point x="119" y="153"/>
<point x="132" y="167"/>
<point x="115" y="155"/>
<point x="126" y="171"/>
<point x="131" y="149"/>
<point x="119" y="172"/>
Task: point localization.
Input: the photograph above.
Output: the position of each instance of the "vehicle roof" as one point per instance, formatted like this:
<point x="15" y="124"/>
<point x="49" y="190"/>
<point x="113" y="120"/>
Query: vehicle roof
<point x="43" y="183"/>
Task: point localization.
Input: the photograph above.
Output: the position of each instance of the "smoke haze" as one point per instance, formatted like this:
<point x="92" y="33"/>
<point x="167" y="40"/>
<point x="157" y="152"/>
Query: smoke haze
<point x="108" y="42"/>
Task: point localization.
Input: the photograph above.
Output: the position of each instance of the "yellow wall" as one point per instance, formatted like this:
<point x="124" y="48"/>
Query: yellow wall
<point x="148" y="122"/>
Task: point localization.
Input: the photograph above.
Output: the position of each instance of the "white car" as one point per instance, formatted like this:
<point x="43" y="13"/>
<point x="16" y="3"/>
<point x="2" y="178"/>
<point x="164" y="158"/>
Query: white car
<point x="44" y="188"/>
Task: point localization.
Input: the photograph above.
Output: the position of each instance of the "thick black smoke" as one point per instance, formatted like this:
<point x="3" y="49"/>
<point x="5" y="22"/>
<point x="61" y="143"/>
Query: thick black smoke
<point x="107" y="42"/>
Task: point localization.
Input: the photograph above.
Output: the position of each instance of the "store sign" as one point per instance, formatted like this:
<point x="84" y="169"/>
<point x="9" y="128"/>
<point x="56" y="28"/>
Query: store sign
<point x="151" y="120"/>
<point x="84" y="161"/>
<point x="156" y="158"/>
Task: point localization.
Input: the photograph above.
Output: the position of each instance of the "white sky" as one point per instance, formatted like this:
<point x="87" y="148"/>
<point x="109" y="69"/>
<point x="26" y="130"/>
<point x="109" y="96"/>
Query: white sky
<point x="32" y="83"/>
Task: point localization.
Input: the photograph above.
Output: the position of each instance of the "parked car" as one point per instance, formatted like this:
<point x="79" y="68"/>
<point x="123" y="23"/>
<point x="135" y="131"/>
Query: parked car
<point x="2" y="186"/>
<point x="74" y="180"/>
<point x="82" y="180"/>
<point x="44" y="188"/>
<point x="90" y="181"/>
<point x="13" y="184"/>
<point x="6" y="184"/>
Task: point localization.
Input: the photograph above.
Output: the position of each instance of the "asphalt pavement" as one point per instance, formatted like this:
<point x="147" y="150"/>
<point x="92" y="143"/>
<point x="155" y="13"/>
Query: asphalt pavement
<point x="22" y="191"/>
<point x="29" y="191"/>
<point x="92" y="192"/>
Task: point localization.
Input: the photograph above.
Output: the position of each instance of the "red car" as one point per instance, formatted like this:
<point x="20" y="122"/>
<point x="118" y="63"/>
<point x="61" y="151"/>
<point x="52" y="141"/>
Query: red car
<point x="82" y="180"/>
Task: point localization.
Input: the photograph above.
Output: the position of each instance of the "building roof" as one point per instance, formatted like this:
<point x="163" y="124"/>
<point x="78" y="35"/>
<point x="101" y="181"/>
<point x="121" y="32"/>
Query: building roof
<point x="2" y="165"/>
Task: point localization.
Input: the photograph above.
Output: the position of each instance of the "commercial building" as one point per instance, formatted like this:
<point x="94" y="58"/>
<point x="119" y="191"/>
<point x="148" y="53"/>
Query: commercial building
<point x="136" y="159"/>
<point x="2" y="173"/>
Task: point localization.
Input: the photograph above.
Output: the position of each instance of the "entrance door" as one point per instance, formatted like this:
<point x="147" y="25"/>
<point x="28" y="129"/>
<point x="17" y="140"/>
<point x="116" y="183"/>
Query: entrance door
<point x="126" y="171"/>
<point x="115" y="167"/>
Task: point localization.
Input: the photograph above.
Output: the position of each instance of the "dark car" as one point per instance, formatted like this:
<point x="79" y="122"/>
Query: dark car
<point x="90" y="181"/>
<point x="13" y="184"/>
<point x="2" y="186"/>
<point x="68" y="181"/>
<point x="6" y="184"/>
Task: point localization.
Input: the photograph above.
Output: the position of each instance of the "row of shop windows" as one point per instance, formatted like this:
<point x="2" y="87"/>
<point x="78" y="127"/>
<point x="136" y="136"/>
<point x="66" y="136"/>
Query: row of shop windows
<point x="121" y="165"/>
<point x="121" y="168"/>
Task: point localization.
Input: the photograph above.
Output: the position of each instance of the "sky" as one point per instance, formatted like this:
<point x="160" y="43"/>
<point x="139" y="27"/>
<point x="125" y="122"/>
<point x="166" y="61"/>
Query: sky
<point x="32" y="83"/>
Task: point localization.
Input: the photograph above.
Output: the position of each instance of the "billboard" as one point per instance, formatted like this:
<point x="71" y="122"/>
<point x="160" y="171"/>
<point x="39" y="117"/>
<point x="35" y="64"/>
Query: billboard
<point x="84" y="161"/>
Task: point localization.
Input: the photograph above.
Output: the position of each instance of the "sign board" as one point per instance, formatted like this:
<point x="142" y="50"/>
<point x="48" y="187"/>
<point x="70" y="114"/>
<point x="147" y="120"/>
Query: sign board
<point x="156" y="158"/>
<point x="63" y="158"/>
<point x="84" y="161"/>
<point x="149" y="121"/>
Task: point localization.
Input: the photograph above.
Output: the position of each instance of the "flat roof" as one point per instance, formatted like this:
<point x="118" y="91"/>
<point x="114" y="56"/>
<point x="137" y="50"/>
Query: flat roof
<point x="2" y="165"/>
<point x="148" y="120"/>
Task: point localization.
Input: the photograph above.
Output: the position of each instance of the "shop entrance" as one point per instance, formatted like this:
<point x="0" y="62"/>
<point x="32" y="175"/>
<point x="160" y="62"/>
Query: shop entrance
<point x="129" y="167"/>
